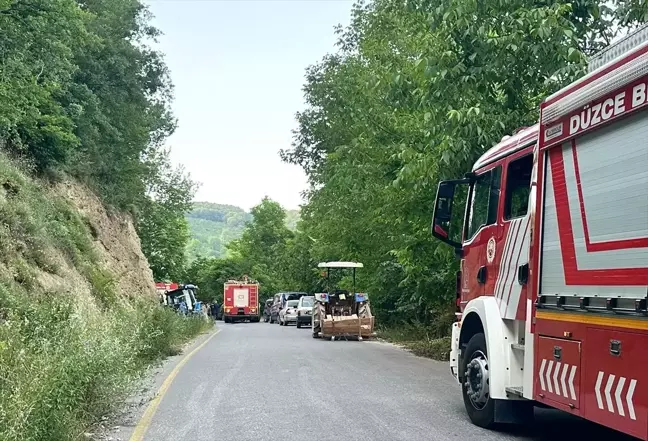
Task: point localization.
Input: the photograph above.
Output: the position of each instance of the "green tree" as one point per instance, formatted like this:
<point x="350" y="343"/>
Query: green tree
<point x="263" y="252"/>
<point x="210" y="274"/>
<point x="83" y="93"/>
<point x="415" y="93"/>
<point x="264" y="239"/>
<point x="161" y="222"/>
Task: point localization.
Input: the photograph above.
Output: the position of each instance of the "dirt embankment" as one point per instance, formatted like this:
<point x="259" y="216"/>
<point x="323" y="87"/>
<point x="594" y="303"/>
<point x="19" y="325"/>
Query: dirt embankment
<point x="114" y="239"/>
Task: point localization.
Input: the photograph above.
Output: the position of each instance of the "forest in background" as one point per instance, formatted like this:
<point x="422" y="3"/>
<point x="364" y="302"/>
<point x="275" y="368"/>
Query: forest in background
<point x="212" y="226"/>
<point x="416" y="91"/>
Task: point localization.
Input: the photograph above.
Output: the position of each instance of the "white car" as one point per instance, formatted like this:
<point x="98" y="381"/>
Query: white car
<point x="305" y="311"/>
<point x="289" y="313"/>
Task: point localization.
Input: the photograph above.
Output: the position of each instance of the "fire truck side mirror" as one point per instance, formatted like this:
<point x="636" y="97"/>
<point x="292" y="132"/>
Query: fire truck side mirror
<point x="442" y="216"/>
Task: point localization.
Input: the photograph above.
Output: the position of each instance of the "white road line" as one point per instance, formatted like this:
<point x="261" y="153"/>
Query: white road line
<point x="571" y="386"/>
<point x="608" y="388"/>
<point x="541" y="375"/>
<point x="631" y="389"/>
<point x="555" y="377"/>
<point x="597" y="389"/>
<point x="617" y="396"/>
<point x="562" y="379"/>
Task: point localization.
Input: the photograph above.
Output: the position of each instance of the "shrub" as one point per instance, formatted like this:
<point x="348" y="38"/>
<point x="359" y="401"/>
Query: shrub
<point x="63" y="364"/>
<point x="437" y="349"/>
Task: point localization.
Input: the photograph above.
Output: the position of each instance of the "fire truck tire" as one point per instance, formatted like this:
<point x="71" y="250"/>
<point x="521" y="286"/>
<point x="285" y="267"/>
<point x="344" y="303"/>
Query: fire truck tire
<point x="479" y="406"/>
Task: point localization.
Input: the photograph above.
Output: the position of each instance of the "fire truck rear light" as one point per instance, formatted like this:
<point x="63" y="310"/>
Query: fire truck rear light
<point x="611" y="81"/>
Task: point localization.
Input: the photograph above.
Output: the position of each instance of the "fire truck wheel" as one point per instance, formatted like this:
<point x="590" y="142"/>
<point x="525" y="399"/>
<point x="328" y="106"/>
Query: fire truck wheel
<point x="475" y="390"/>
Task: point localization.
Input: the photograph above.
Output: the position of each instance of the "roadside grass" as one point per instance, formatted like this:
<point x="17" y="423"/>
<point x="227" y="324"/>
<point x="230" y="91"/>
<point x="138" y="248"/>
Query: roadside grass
<point x="425" y="340"/>
<point x="64" y="365"/>
<point x="68" y="355"/>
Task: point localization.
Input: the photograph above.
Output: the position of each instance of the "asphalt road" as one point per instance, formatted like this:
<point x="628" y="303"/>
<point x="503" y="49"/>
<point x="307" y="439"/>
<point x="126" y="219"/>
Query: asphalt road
<point x="257" y="381"/>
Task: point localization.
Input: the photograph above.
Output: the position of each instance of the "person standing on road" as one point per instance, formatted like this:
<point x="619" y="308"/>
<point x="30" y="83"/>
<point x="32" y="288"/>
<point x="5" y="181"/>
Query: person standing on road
<point x="215" y="308"/>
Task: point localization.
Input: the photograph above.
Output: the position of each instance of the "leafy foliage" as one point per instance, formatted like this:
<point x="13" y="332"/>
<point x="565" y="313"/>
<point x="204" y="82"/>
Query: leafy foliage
<point x="81" y="92"/>
<point x="267" y="250"/>
<point x="416" y="92"/>
<point x="212" y="227"/>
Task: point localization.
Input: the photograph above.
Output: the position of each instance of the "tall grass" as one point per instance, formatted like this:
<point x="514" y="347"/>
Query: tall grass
<point x="430" y="340"/>
<point x="63" y="365"/>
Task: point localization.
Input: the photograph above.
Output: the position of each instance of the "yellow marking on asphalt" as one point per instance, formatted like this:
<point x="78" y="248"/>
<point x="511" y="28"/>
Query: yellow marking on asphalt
<point x="631" y="323"/>
<point x="147" y="418"/>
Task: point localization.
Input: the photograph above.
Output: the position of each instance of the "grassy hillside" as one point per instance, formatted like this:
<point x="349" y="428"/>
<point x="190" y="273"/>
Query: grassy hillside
<point x="213" y="226"/>
<point x="79" y="317"/>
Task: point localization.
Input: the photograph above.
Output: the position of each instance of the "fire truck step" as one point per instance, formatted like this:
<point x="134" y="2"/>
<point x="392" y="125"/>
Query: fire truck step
<point x="517" y="347"/>
<point x="517" y="390"/>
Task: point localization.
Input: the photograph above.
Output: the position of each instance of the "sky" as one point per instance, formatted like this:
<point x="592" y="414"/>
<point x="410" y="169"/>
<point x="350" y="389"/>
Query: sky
<point x="238" y="68"/>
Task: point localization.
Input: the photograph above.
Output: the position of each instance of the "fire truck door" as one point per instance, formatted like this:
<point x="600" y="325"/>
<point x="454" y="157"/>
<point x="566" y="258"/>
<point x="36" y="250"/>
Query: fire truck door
<point x="511" y="252"/>
<point x="482" y="233"/>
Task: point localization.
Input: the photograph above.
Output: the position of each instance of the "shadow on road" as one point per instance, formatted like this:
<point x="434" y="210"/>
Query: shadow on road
<point x="554" y="425"/>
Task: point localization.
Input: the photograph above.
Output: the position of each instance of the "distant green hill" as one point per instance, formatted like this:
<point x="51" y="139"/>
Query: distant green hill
<point x="214" y="225"/>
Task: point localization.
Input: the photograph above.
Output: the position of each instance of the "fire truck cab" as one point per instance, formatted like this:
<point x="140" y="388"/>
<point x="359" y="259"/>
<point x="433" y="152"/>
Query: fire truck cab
<point x="553" y="278"/>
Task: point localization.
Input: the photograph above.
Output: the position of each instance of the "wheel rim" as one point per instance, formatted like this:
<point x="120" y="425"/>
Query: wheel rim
<point x="477" y="380"/>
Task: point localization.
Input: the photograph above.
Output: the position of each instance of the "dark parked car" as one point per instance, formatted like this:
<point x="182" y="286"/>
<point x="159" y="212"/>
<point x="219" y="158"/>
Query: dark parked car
<point x="279" y="301"/>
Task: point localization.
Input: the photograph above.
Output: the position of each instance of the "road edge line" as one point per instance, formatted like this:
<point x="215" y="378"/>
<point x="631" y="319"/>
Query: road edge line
<point x="149" y="413"/>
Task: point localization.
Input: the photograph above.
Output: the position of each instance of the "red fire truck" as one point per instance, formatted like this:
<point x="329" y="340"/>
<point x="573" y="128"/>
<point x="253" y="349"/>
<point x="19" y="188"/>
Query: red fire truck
<point x="553" y="279"/>
<point x="241" y="301"/>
